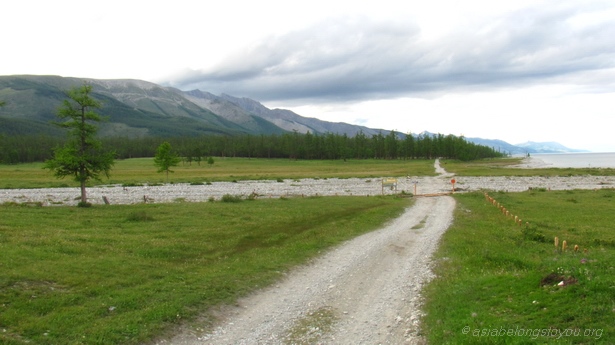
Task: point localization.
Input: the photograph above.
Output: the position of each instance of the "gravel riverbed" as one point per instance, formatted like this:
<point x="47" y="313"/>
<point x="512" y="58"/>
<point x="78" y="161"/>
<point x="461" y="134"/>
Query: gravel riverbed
<point x="295" y="188"/>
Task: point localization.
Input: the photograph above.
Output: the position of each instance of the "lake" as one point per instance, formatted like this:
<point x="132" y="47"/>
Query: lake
<point x="577" y="160"/>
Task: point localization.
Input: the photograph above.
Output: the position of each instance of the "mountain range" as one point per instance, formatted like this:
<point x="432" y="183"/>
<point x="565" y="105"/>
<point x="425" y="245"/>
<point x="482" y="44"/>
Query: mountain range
<point x="136" y="108"/>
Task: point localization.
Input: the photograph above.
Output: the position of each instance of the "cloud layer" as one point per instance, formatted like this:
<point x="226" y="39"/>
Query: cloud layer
<point x="351" y="59"/>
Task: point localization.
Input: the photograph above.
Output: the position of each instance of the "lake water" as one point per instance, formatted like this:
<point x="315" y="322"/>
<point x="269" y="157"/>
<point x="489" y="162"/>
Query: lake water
<point x="577" y="160"/>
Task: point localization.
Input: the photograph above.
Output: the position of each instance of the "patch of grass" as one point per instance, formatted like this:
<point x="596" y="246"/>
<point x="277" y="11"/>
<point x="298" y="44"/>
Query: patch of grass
<point x="132" y="184"/>
<point x="114" y="275"/>
<point x="309" y="329"/>
<point x="231" y="198"/>
<point x="140" y="216"/>
<point x="84" y="204"/>
<point x="495" y="277"/>
<point x="420" y="225"/>
<point x="24" y="204"/>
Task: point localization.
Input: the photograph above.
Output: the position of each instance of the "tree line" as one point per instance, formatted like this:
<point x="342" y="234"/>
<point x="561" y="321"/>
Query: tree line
<point x="23" y="149"/>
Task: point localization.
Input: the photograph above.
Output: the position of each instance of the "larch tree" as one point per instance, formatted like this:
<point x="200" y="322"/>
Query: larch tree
<point x="165" y="158"/>
<point x="82" y="156"/>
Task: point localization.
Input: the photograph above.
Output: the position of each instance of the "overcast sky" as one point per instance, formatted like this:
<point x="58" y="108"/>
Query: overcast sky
<point x="512" y="70"/>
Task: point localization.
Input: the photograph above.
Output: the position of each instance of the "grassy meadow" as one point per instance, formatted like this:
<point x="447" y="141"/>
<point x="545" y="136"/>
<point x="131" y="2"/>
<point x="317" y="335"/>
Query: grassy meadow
<point x="142" y="171"/>
<point x="497" y="282"/>
<point x="124" y="274"/>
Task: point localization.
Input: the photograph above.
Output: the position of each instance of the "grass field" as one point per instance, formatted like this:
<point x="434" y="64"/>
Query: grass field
<point x="124" y="274"/>
<point x="497" y="282"/>
<point x="142" y="170"/>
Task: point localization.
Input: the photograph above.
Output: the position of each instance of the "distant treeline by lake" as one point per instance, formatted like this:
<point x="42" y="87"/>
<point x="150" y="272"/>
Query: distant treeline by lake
<point x="23" y="149"/>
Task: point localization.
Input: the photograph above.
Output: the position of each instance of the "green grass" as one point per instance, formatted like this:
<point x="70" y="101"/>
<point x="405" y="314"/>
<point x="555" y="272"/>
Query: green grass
<point x="142" y="171"/>
<point x="495" y="277"/>
<point x="126" y="274"/>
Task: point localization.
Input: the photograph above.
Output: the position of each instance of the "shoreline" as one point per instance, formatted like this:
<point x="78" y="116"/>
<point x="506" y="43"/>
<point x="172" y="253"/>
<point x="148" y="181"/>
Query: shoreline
<point x="594" y="160"/>
<point x="532" y="163"/>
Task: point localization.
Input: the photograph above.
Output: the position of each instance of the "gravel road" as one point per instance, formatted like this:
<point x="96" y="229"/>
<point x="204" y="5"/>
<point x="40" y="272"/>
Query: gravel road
<point x="366" y="291"/>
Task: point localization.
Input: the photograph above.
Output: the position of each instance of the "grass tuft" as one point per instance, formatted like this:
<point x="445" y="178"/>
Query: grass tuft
<point x="140" y="216"/>
<point x="311" y="327"/>
<point x="231" y="198"/>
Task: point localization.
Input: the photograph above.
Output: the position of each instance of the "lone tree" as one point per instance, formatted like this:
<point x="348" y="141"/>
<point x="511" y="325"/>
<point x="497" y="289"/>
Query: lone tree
<point x="82" y="156"/>
<point x="165" y="158"/>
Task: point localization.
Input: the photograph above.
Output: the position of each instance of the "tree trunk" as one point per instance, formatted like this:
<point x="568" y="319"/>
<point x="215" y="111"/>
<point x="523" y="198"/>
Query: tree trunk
<point x="84" y="199"/>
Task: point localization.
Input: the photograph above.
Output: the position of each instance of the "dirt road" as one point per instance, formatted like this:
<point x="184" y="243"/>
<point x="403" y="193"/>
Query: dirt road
<point x="363" y="292"/>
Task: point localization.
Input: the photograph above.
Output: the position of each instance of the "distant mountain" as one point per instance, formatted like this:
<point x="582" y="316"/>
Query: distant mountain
<point x="282" y="118"/>
<point x="136" y="108"/>
<point x="524" y="148"/>
<point x="498" y="145"/>
<point x="140" y="108"/>
<point x="132" y="107"/>
<point x="546" y="147"/>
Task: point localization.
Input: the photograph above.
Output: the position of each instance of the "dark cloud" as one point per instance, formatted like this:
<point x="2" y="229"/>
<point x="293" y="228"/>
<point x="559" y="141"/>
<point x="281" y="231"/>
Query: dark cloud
<point x="352" y="59"/>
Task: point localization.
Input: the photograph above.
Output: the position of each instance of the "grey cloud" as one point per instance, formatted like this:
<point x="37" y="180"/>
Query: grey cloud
<point x="353" y="59"/>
